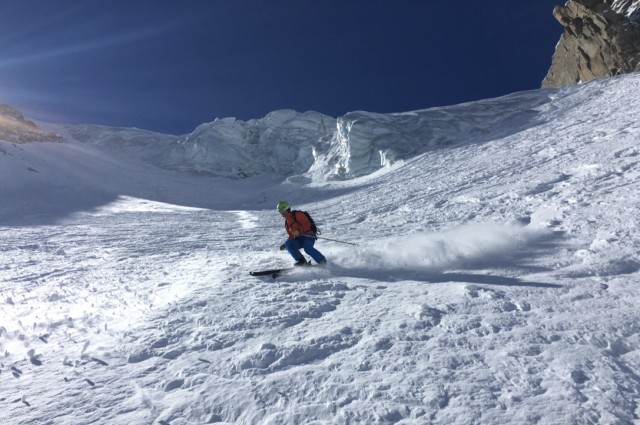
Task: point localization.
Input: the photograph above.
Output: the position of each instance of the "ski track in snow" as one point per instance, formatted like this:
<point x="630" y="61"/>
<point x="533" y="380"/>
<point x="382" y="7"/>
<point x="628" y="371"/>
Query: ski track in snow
<point x="493" y="283"/>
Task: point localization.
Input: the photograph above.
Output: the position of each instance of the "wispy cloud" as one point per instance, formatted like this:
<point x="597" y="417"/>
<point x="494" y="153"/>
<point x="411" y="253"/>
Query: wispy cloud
<point x="108" y="41"/>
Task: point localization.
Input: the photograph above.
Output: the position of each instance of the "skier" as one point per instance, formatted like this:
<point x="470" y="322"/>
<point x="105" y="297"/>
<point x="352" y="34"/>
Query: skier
<point x="302" y="233"/>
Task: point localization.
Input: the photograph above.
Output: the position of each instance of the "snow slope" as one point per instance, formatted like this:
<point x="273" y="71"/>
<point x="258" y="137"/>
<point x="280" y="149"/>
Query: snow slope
<point x="495" y="278"/>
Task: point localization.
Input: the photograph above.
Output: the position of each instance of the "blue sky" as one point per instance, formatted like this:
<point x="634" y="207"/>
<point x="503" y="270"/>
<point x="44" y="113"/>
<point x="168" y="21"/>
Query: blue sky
<point x="169" y="66"/>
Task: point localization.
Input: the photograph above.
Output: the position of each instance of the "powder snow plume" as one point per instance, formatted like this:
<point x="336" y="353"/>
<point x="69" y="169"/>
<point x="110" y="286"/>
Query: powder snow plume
<point x="439" y="251"/>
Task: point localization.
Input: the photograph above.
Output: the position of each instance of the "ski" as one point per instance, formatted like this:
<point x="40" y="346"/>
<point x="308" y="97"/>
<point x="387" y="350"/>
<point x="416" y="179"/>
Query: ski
<point x="273" y="273"/>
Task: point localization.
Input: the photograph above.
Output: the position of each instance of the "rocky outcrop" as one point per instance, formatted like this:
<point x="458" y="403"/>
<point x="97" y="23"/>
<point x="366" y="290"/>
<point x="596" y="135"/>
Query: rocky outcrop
<point x="15" y="128"/>
<point x="601" y="39"/>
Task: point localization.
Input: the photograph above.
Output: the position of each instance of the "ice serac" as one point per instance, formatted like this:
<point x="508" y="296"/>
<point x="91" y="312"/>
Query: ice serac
<point x="366" y="142"/>
<point x="601" y="39"/>
<point x="15" y="128"/>
<point x="281" y="143"/>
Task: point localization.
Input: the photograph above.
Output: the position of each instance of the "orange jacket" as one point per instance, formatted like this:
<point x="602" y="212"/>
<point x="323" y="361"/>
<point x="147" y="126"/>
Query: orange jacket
<point x="297" y="221"/>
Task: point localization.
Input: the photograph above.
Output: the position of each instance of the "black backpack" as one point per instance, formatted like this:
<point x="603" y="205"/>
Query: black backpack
<point x="314" y="227"/>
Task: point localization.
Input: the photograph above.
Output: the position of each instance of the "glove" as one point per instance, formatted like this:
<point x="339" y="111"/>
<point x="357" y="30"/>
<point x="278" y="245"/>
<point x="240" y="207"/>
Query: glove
<point x="282" y="247"/>
<point x="296" y="233"/>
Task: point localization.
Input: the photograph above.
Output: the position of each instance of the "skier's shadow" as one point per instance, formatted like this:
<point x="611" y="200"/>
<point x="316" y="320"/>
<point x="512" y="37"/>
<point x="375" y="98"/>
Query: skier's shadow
<point x="391" y="275"/>
<point x="489" y="280"/>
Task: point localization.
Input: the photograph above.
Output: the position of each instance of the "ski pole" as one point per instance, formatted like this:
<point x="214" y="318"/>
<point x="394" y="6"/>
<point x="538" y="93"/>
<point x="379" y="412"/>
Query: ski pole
<point x="332" y="240"/>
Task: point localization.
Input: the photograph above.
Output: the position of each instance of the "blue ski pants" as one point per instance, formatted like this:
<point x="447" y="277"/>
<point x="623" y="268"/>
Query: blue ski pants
<point x="306" y="243"/>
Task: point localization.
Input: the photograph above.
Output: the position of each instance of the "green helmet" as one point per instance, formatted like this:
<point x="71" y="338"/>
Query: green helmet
<point x="282" y="205"/>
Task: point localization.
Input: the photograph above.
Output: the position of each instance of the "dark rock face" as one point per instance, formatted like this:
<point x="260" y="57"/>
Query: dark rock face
<point x="601" y="39"/>
<point x="15" y="128"/>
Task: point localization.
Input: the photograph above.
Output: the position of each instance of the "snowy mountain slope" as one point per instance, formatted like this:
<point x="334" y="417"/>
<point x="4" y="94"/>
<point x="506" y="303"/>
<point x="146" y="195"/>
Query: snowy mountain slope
<point x="494" y="281"/>
<point x="95" y="165"/>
